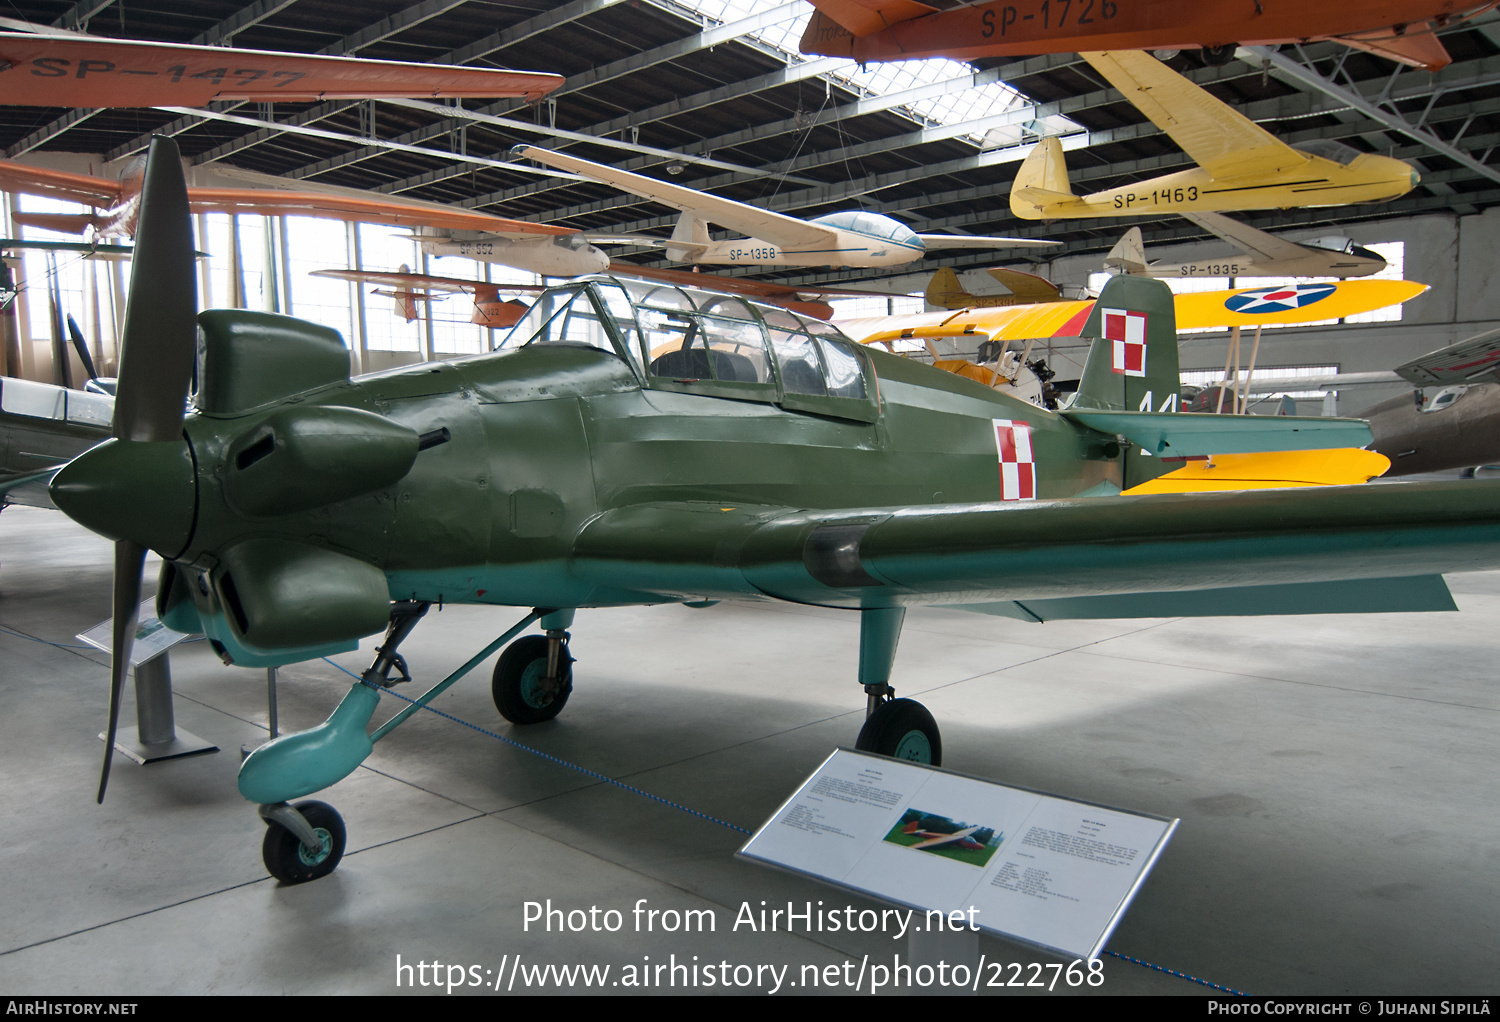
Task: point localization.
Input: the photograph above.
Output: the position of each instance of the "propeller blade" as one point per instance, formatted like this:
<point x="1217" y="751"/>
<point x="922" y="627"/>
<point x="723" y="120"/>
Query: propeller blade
<point x="130" y="560"/>
<point x="158" y="344"/>
<point x="81" y="346"/>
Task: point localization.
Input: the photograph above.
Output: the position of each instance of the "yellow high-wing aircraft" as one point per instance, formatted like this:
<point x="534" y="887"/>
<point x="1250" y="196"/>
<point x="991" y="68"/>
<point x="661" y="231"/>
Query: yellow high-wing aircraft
<point x="1240" y="164"/>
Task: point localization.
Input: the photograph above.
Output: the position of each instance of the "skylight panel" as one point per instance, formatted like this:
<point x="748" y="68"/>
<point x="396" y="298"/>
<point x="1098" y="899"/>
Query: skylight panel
<point x="959" y="106"/>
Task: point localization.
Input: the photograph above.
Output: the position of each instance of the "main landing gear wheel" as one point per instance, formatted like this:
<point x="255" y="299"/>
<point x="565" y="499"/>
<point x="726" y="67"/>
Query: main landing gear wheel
<point x="902" y="729"/>
<point x="289" y="860"/>
<point x="520" y="683"/>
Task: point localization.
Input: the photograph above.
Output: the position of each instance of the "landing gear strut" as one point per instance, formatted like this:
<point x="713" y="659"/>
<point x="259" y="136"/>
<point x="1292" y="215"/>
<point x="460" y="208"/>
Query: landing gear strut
<point x="899" y="728"/>
<point x="306" y="841"/>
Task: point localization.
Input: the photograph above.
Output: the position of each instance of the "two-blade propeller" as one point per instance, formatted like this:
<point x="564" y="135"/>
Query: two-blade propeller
<point x="157" y="349"/>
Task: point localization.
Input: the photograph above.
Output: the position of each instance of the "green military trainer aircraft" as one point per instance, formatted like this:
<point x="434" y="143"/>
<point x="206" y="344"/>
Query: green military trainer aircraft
<point x="640" y="443"/>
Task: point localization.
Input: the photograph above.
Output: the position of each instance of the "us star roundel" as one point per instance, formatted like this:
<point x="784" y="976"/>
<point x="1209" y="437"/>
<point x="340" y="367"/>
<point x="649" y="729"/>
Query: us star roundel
<point x="1017" y="466"/>
<point x="1278" y="299"/>
<point x="1126" y="330"/>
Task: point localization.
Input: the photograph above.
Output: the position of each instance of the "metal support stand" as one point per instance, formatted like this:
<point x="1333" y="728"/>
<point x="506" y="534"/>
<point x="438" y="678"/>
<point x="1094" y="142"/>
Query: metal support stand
<point x="155" y="737"/>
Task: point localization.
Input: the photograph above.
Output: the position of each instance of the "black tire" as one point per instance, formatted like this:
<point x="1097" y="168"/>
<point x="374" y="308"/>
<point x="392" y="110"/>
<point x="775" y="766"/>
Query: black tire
<point x="902" y="729"/>
<point x="519" y="673"/>
<point x="289" y="861"/>
<point x="1218" y="56"/>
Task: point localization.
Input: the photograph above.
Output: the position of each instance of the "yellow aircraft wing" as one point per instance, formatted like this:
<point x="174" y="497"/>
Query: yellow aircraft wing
<point x="1198" y="310"/>
<point x="1271" y="470"/>
<point x="1219" y="138"/>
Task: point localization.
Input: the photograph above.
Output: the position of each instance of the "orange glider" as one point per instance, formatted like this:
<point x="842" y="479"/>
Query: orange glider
<point x="87" y="71"/>
<point x="880" y="30"/>
<point x="117" y="204"/>
<point x="411" y="288"/>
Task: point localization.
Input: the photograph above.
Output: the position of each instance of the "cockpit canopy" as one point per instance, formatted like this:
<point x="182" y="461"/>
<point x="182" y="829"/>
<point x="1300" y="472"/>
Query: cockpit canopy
<point x="706" y="342"/>
<point x="872" y="225"/>
<point x="1328" y="149"/>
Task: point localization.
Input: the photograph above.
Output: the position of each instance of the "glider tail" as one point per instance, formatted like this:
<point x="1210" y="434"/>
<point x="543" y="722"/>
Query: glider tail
<point x="689" y="239"/>
<point x="1129" y="254"/>
<point x="1042" y="182"/>
<point x="1132" y="363"/>
<point x="945" y="291"/>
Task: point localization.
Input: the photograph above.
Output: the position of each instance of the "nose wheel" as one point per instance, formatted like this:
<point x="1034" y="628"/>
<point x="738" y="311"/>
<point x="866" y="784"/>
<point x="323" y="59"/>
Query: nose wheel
<point x="533" y="678"/>
<point x="902" y="729"/>
<point x="295" y="859"/>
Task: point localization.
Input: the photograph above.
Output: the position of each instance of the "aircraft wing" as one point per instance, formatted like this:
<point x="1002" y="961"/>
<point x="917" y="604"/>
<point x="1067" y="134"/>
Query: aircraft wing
<point x="59" y="184"/>
<point x="1247" y="238"/>
<point x="1334" y="548"/>
<point x="937" y="241"/>
<point x="743" y="285"/>
<point x="88" y="71"/>
<point x="372" y="210"/>
<point x="1196" y="310"/>
<point x="1476" y="360"/>
<point x="1219" y="138"/>
<point x="425" y="282"/>
<point x="751" y="221"/>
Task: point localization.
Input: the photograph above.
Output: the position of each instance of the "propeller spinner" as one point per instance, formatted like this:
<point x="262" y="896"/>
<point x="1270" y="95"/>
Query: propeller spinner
<point x="138" y="488"/>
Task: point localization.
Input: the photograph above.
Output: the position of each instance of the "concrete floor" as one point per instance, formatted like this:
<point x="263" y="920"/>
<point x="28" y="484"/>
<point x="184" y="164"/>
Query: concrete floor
<point x="1335" y="777"/>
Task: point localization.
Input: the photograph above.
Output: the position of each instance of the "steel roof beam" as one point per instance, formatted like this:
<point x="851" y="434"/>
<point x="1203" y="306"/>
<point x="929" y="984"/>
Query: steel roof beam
<point x="1305" y="77"/>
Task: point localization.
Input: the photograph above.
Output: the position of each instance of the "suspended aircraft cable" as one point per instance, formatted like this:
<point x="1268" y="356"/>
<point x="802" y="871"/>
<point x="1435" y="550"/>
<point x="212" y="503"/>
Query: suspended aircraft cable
<point x="704" y="816"/>
<point x="780" y="179"/>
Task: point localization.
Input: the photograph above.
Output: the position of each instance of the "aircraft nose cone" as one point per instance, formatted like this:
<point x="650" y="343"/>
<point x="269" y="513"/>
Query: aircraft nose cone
<point x="598" y="259"/>
<point x="1416" y="177"/>
<point x="132" y="489"/>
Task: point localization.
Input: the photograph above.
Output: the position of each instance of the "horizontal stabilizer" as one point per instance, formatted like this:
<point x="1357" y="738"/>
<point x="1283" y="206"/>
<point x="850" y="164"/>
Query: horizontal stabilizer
<point x="1417" y="594"/>
<point x="1177" y="434"/>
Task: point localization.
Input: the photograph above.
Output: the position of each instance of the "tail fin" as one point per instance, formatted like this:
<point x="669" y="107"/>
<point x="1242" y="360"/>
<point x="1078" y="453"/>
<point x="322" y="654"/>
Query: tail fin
<point x="1132" y="364"/>
<point x="1042" y="181"/>
<point x="689" y="239"/>
<point x="1129" y="254"/>
<point x="944" y="291"/>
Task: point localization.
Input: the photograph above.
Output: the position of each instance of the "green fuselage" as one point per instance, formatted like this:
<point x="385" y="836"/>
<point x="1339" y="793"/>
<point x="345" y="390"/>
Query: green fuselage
<point x="545" y="438"/>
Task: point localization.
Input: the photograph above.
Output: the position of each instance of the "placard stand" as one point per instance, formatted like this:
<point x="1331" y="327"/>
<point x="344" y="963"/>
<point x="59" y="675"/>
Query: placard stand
<point x="155" y="736"/>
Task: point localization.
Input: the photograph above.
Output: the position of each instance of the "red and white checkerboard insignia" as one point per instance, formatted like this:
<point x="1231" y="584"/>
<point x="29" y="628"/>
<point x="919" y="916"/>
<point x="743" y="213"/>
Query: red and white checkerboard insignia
<point x="1017" y="467"/>
<point x="1127" y="331"/>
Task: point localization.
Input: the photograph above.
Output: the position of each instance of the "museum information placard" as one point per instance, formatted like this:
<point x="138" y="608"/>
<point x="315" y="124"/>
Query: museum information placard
<point x="1052" y="872"/>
